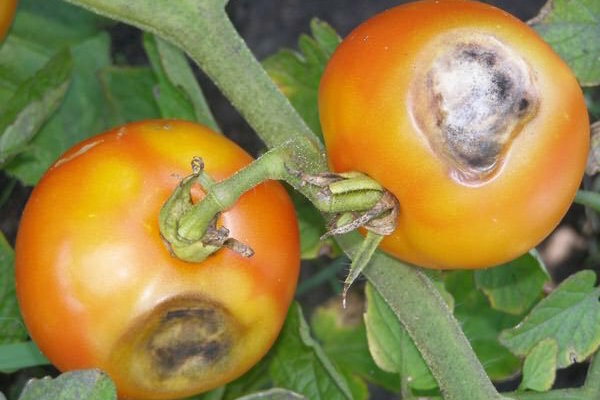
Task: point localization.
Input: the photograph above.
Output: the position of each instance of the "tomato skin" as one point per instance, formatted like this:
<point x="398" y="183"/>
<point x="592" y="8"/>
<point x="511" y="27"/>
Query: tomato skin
<point x="7" y="12"/>
<point x="368" y="120"/>
<point x="94" y="277"/>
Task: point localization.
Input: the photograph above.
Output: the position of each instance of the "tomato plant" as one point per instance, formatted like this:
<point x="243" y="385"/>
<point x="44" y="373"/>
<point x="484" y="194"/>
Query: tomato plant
<point x="469" y="118"/>
<point x="164" y="303"/>
<point x="7" y="11"/>
<point x="98" y="288"/>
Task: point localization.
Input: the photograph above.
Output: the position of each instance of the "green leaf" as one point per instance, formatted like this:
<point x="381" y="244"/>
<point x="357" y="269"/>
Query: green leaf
<point x="297" y="74"/>
<point x="572" y="28"/>
<point x="12" y="328"/>
<point x="343" y="335"/>
<point x="358" y="387"/>
<point x="172" y="102"/>
<point x="82" y="114"/>
<point x="327" y="273"/>
<point x="360" y="259"/>
<point x="215" y="394"/>
<point x="482" y="325"/>
<point x="178" y="93"/>
<point x="40" y="30"/>
<point x="33" y="103"/>
<point x="15" y="356"/>
<point x="128" y="93"/>
<point x="298" y="363"/>
<point x="570" y="315"/>
<point x="53" y="23"/>
<point x="254" y="380"/>
<point x="391" y="347"/>
<point x="437" y="280"/>
<point x="311" y="225"/>
<point x="273" y="394"/>
<point x="75" y="385"/>
<point x="515" y="286"/>
<point x="539" y="369"/>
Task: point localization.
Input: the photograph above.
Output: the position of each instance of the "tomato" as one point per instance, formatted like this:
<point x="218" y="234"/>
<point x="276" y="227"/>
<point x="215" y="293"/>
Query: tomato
<point x="7" y="11"/>
<point x="468" y="118"/>
<point x="98" y="288"/>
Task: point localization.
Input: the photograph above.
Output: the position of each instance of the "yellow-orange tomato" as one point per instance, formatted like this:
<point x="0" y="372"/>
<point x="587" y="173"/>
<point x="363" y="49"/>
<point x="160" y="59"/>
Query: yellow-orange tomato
<point x="469" y="118"/>
<point x="97" y="287"/>
<point x="7" y="11"/>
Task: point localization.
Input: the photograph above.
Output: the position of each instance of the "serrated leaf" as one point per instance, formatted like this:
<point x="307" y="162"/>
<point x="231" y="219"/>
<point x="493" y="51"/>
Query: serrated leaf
<point x="12" y="328"/>
<point x="515" y="286"/>
<point x="298" y="363"/>
<point x="572" y="29"/>
<point x="273" y="394"/>
<point x="539" y="369"/>
<point x="82" y="114"/>
<point x="177" y="93"/>
<point x="76" y="385"/>
<point x="344" y="340"/>
<point x="390" y="345"/>
<point x="570" y="315"/>
<point x="128" y="93"/>
<point x="482" y="325"/>
<point x="14" y="356"/>
<point x="33" y="103"/>
<point x="297" y="74"/>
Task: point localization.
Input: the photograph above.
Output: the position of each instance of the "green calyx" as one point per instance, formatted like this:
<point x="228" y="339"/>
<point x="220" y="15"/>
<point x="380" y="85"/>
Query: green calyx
<point x="356" y="200"/>
<point x="194" y="246"/>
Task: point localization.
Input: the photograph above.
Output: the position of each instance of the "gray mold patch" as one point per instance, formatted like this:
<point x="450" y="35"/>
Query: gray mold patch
<point x="473" y="98"/>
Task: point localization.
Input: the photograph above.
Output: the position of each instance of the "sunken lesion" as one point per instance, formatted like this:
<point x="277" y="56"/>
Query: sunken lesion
<point x="181" y="343"/>
<point x="471" y="101"/>
<point x="188" y="339"/>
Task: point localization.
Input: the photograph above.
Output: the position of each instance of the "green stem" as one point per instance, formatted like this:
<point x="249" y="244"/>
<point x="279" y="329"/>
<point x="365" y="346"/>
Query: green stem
<point x="588" y="199"/>
<point x="222" y="195"/>
<point x="202" y="29"/>
<point x="430" y="324"/>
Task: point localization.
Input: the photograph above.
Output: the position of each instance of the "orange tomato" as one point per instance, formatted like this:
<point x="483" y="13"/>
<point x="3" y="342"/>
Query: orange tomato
<point x="98" y="288"/>
<point x="469" y="118"/>
<point x="7" y="11"/>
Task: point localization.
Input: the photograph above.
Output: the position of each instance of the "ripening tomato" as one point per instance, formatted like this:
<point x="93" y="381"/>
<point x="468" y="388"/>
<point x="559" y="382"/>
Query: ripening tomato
<point x="97" y="287"/>
<point x="469" y="118"/>
<point x="7" y="11"/>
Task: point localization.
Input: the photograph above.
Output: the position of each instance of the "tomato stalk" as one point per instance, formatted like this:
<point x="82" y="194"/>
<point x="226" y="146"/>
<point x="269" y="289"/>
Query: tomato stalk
<point x="203" y="30"/>
<point x="190" y="229"/>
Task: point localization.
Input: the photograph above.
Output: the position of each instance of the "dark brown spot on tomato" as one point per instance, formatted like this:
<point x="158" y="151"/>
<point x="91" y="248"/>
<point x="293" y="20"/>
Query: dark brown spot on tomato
<point x="471" y="101"/>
